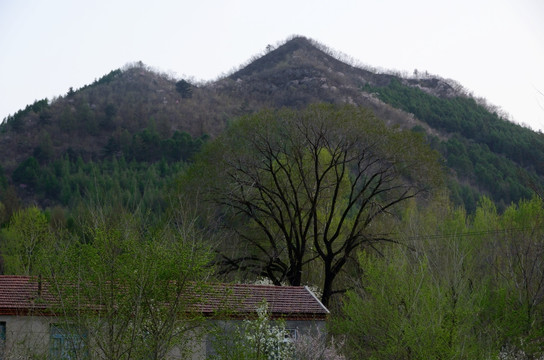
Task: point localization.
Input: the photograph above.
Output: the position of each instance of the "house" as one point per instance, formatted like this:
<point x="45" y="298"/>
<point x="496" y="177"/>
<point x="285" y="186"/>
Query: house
<point x="29" y="324"/>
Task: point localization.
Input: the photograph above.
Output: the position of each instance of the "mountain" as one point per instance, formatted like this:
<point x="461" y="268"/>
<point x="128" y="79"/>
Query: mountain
<point x="142" y="116"/>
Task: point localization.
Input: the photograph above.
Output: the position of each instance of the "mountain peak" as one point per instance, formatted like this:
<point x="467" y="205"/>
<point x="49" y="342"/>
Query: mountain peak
<point x="297" y="51"/>
<point x="297" y="43"/>
<point x="301" y="59"/>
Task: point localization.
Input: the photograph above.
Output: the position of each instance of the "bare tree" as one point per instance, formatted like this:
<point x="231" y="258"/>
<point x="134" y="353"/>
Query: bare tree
<point x="305" y="187"/>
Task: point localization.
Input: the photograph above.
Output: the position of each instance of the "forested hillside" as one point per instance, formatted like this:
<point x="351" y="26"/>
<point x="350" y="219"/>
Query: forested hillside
<point x="411" y="208"/>
<point x="498" y="157"/>
<point x="135" y="111"/>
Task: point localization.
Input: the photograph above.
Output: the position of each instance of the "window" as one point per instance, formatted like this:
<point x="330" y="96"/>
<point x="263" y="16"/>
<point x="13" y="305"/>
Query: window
<point x="291" y="334"/>
<point x="2" y="339"/>
<point x="67" y="342"/>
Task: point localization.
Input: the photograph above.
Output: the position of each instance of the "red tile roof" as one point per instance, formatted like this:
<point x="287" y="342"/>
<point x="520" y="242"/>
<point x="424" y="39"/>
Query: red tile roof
<point x="20" y="294"/>
<point x="24" y="295"/>
<point x="243" y="299"/>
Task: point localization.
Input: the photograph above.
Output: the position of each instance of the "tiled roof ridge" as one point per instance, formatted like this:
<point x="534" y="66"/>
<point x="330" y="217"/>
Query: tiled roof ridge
<point x="36" y="277"/>
<point x="20" y="291"/>
<point x="258" y="285"/>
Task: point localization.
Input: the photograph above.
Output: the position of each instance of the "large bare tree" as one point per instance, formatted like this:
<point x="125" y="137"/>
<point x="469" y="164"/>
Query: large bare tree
<point x="303" y="188"/>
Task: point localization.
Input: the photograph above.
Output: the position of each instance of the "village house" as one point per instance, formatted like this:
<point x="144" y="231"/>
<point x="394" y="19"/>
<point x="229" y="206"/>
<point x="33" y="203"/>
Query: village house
<point x="29" y="326"/>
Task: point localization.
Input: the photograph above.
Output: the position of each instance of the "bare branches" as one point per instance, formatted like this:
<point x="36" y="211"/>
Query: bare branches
<point x="305" y="186"/>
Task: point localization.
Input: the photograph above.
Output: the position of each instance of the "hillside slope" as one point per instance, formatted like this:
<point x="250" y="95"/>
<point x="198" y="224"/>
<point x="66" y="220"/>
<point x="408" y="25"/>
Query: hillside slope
<point x="133" y="110"/>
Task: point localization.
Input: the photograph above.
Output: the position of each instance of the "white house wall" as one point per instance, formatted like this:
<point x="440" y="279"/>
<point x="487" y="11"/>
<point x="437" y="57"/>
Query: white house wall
<point x="29" y="336"/>
<point x="25" y="336"/>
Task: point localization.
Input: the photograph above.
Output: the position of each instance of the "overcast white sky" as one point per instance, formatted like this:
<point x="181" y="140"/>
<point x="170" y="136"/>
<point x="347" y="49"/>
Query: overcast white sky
<point x="494" y="48"/>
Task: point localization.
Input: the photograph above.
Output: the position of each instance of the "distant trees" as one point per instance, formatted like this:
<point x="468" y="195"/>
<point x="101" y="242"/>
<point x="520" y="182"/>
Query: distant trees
<point x="17" y="121"/>
<point x="133" y="168"/>
<point x="184" y="88"/>
<point x="303" y="188"/>
<point x="481" y="143"/>
<point x="107" y="121"/>
<point x="147" y="146"/>
<point x="3" y="179"/>
<point x="27" y="172"/>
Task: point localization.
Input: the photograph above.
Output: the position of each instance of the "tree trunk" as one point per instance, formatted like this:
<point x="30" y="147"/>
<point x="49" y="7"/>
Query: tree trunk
<point x="327" y="285"/>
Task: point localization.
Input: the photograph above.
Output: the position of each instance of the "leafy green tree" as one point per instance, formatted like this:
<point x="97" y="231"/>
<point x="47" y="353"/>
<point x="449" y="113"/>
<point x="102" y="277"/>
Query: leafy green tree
<point x="24" y="241"/>
<point x="422" y="301"/>
<point x="132" y="288"/>
<point x="463" y="287"/>
<point x="516" y="256"/>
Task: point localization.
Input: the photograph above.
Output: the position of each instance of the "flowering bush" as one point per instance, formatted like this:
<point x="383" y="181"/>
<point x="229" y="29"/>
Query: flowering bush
<point x="265" y="339"/>
<point x="259" y="339"/>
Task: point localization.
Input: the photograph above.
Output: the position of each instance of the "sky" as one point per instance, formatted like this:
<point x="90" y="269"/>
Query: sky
<point x="494" y="48"/>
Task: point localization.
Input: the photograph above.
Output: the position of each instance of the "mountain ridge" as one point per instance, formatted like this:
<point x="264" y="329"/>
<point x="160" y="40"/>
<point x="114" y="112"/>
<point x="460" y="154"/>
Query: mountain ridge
<point x="106" y="116"/>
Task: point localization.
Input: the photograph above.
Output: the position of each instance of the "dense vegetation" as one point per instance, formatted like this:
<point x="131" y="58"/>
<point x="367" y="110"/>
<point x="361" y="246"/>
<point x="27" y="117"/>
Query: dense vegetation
<point x="486" y="151"/>
<point x="112" y="115"/>
<point x="461" y="287"/>
<point x="132" y="173"/>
